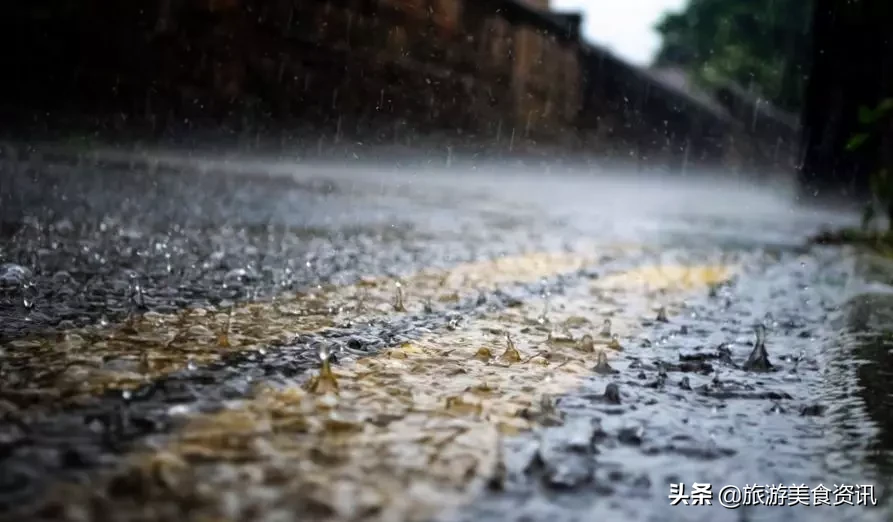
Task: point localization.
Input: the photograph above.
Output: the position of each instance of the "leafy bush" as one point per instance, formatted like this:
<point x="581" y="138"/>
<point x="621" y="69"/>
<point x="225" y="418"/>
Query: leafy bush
<point x="881" y="182"/>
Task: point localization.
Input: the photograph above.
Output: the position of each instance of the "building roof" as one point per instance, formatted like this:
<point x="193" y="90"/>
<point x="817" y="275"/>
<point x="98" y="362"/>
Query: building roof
<point x="564" y="25"/>
<point x="762" y="106"/>
<point x="680" y="82"/>
<point x="668" y="83"/>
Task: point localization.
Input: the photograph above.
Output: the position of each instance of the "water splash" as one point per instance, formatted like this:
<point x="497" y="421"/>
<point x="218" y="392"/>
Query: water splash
<point x="223" y="338"/>
<point x="546" y="295"/>
<point x="16" y="284"/>
<point x="325" y="382"/>
<point x="601" y="364"/>
<point x="758" y="361"/>
<point x="511" y="354"/>
<point x="135" y="294"/>
<point x="606" y="328"/>
<point x="484" y="355"/>
<point x="586" y="344"/>
<point x="398" y="298"/>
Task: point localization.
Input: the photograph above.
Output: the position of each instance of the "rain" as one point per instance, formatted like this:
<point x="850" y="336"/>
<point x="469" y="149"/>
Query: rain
<point x="446" y="261"/>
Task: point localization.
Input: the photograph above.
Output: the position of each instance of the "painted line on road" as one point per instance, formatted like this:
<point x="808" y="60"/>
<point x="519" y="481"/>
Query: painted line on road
<point x="400" y="436"/>
<point x="77" y="364"/>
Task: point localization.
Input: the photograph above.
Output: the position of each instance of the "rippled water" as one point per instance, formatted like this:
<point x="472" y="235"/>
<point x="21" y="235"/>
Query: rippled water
<point x="102" y="245"/>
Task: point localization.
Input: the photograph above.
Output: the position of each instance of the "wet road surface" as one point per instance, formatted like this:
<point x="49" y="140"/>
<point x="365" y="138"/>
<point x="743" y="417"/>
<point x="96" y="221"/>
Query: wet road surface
<point x="500" y="344"/>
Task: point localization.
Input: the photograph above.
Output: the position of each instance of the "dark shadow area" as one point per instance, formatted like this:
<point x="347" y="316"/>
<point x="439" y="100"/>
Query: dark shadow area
<point x="494" y="78"/>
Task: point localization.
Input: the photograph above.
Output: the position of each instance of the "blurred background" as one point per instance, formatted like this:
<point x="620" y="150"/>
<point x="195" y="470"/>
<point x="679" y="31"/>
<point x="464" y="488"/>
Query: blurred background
<point x="769" y="86"/>
<point x="204" y="201"/>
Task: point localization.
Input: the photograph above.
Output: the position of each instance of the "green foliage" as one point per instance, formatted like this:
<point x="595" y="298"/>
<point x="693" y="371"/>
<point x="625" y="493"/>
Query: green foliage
<point x="758" y="43"/>
<point x="857" y="140"/>
<point x="881" y="183"/>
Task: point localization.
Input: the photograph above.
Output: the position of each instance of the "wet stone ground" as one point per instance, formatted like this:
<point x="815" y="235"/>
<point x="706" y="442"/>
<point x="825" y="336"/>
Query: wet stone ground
<point x="691" y="397"/>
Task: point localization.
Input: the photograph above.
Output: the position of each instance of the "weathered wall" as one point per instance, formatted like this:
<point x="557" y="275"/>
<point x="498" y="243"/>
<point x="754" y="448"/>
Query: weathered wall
<point x="631" y="113"/>
<point x="495" y="75"/>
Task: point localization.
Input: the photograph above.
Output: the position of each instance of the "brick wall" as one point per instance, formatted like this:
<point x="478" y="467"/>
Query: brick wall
<point x="488" y="73"/>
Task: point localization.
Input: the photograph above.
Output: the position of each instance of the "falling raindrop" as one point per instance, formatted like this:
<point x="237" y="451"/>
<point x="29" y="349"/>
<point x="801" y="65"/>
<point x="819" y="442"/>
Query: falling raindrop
<point x="544" y="316"/>
<point x="136" y="296"/>
<point x="662" y="315"/>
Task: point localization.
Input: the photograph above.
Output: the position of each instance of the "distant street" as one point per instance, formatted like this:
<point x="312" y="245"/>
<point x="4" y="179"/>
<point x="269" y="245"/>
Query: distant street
<point x="505" y="342"/>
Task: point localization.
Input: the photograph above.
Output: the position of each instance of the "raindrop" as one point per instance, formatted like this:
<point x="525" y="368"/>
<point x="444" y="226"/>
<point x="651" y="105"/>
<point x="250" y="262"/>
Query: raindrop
<point x="586" y="344"/>
<point x="760" y="331"/>
<point x="235" y="278"/>
<point x="325" y="381"/>
<point x="398" y="298"/>
<point x="544" y="316"/>
<point x="483" y="355"/>
<point x="758" y="361"/>
<point x="136" y="296"/>
<point x="223" y="338"/>
<point x="322" y="351"/>
<point x="606" y="328"/>
<point x="601" y="365"/>
<point x="16" y="279"/>
<point x="662" y="315"/>
<point x="615" y="343"/>
<point x="511" y="354"/>
<point x="612" y="393"/>
<point x="29" y="295"/>
<point x="454" y="323"/>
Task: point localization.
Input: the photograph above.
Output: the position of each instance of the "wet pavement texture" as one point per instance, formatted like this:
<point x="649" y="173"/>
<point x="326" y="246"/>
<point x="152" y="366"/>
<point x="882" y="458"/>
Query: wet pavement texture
<point x="775" y="376"/>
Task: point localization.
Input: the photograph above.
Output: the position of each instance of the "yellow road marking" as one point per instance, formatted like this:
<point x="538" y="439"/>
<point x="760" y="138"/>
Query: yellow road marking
<point x="83" y="362"/>
<point x="404" y="435"/>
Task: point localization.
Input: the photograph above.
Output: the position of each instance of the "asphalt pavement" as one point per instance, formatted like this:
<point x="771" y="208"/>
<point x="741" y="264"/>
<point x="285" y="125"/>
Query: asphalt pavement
<point x="196" y="339"/>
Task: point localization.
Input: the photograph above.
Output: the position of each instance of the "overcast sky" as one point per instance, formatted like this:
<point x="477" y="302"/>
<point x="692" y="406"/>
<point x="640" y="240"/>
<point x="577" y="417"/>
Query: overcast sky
<point x="624" y="26"/>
